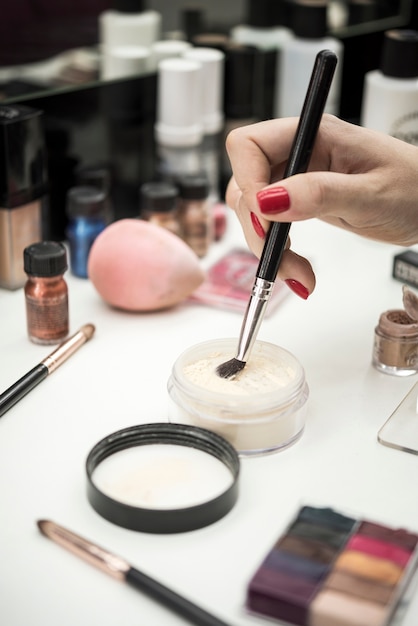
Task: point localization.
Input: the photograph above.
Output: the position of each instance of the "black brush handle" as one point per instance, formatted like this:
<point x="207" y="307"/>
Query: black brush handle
<point x="171" y="599"/>
<point x="21" y="387"/>
<point x="300" y="154"/>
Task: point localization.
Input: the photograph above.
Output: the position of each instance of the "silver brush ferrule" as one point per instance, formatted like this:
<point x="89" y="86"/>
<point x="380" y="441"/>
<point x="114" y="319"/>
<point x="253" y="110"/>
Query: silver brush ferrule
<point x="260" y="295"/>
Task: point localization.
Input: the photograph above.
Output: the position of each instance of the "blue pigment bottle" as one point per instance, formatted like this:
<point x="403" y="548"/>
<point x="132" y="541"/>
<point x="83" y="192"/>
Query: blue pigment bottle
<point x="86" y="210"/>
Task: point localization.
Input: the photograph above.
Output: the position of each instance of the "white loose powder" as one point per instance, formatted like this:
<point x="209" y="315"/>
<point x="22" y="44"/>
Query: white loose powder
<point x="260" y="375"/>
<point x="162" y="476"/>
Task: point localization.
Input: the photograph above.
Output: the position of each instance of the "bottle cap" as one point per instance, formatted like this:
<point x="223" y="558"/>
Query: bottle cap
<point x="129" y="28"/>
<point x="167" y="49"/>
<point x="23" y="173"/>
<point x="400" y="53"/>
<point x="360" y="11"/>
<point x="308" y="18"/>
<point x="212" y="83"/>
<point x="179" y="119"/>
<point x="192" y="20"/>
<point x="85" y="201"/>
<point x="158" y="197"/>
<point x="265" y="13"/>
<point x="124" y="61"/>
<point x="239" y="81"/>
<point x="45" y="259"/>
<point x="128" y="6"/>
<point x="97" y="175"/>
<point x="193" y="186"/>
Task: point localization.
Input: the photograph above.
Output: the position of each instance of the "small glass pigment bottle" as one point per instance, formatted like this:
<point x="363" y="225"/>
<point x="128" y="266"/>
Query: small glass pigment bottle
<point x="159" y="204"/>
<point x="196" y="219"/>
<point x="46" y="292"/>
<point x="395" y="348"/>
<point x="86" y="210"/>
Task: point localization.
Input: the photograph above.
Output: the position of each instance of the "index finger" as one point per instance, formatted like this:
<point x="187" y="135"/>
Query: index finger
<point x="258" y="153"/>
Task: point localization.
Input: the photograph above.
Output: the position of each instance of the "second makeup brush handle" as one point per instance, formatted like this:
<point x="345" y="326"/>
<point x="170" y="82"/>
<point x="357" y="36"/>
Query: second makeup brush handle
<point x="300" y="155"/>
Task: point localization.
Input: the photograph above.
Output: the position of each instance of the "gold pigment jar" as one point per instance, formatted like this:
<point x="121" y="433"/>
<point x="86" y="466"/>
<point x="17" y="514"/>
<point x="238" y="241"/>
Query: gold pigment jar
<point x="262" y="410"/>
<point x="395" y="349"/>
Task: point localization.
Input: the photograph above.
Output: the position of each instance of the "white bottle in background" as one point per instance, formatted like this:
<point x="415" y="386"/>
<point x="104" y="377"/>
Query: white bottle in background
<point x="308" y="21"/>
<point x="178" y="129"/>
<point x="119" y="28"/>
<point x="390" y="96"/>
<point x="126" y="34"/>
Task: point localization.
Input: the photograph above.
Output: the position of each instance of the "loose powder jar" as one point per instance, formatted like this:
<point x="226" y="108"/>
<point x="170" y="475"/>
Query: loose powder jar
<point x="395" y="349"/>
<point x="261" y="410"/>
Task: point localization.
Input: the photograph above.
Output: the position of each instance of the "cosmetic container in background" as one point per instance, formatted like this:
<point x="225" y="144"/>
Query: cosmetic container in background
<point x="264" y="29"/>
<point x="98" y="176"/>
<point x="390" y="95"/>
<point x="211" y="95"/>
<point x="239" y="98"/>
<point x="219" y="41"/>
<point x="126" y="34"/>
<point x="195" y="214"/>
<point x="46" y="292"/>
<point x="309" y="24"/>
<point x="124" y="61"/>
<point x="192" y="21"/>
<point x="178" y="128"/>
<point x="360" y="11"/>
<point x="23" y="189"/>
<point x="253" y="418"/>
<point x="167" y="49"/>
<point x="86" y="211"/>
<point x="159" y="205"/>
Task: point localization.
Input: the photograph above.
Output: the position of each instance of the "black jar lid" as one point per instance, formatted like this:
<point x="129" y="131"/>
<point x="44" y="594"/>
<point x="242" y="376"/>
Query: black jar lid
<point x="158" y="196"/>
<point x="308" y="18"/>
<point x="128" y="6"/>
<point x="163" y="520"/>
<point x="85" y="201"/>
<point x="193" y="186"/>
<point x="400" y="53"/>
<point x="265" y="13"/>
<point x="45" y="259"/>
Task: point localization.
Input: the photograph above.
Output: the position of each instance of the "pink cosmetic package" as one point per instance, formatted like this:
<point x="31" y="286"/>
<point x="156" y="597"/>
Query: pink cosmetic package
<point x="229" y="281"/>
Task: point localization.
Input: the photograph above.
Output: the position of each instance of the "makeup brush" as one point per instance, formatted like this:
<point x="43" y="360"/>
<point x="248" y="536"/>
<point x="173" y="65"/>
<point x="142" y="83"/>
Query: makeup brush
<point x="300" y="154"/>
<point x="120" y="569"/>
<point x="37" y="374"/>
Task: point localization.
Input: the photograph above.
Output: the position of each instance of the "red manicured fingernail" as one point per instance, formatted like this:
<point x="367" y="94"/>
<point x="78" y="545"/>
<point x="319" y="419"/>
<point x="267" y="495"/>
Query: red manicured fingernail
<point x="257" y="225"/>
<point x="299" y="289"/>
<point x="273" y="200"/>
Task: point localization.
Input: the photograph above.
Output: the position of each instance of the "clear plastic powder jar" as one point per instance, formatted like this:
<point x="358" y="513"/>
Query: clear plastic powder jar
<point x="261" y="410"/>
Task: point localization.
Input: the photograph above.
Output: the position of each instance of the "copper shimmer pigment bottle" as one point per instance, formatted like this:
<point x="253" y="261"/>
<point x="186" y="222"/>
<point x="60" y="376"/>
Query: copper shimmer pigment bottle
<point x="395" y="349"/>
<point x="46" y="292"/>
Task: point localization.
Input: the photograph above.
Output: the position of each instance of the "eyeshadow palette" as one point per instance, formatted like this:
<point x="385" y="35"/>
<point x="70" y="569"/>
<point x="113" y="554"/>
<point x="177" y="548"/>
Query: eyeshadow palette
<point x="329" y="569"/>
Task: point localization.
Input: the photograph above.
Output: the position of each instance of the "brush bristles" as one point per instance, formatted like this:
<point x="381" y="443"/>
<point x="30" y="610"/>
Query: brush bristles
<point x="230" y="368"/>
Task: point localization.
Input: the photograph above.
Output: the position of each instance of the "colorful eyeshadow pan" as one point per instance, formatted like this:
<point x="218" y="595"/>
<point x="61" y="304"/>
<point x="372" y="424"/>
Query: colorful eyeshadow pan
<point x="329" y="569"/>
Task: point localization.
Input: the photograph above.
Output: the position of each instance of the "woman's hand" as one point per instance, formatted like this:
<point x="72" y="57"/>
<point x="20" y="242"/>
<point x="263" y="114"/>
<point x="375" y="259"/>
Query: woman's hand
<point x="360" y="180"/>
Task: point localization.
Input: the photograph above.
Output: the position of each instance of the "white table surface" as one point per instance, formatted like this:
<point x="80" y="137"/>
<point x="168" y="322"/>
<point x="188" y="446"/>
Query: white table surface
<point x="119" y="379"/>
